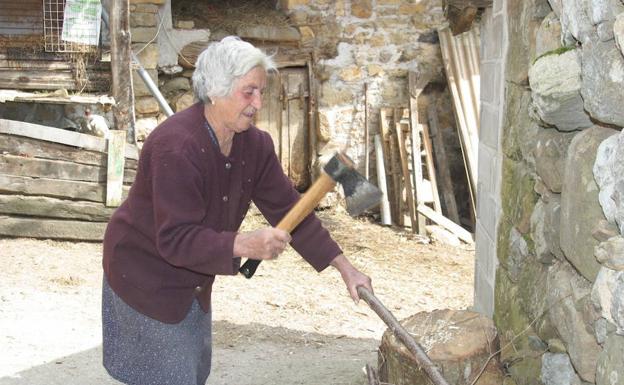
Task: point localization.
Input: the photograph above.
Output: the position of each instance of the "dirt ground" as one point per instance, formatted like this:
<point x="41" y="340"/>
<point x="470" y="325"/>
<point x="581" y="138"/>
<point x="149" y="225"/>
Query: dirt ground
<point x="287" y="325"/>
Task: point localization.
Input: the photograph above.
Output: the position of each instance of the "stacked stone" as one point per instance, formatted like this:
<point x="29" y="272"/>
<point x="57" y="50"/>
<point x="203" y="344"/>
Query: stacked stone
<point x="364" y="41"/>
<point x="144" y="23"/>
<point x="560" y="286"/>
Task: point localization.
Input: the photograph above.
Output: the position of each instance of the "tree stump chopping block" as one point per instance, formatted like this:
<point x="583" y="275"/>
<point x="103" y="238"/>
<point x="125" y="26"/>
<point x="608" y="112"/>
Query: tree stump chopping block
<point x="459" y="342"/>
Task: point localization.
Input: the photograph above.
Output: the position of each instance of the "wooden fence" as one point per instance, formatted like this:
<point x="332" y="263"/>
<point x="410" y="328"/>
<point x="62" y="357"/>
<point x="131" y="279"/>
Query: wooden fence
<point x="53" y="182"/>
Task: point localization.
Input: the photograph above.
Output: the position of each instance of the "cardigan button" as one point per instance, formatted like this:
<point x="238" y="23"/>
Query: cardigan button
<point x="225" y="198"/>
<point x="228" y="165"/>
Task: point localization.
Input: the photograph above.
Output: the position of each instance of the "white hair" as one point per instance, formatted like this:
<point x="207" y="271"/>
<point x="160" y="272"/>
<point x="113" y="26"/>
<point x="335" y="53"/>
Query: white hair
<point x="222" y="63"/>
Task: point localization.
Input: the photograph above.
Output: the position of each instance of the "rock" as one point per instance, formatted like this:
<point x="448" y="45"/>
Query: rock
<point x="552" y="220"/>
<point x="601" y="11"/>
<point x="551" y="149"/>
<point x="603" y="82"/>
<point x="555" y="81"/>
<point x="604" y="230"/>
<point x="147" y="55"/>
<point x="548" y="35"/>
<point x="144" y="127"/>
<point x="146" y="106"/>
<point x="610" y="370"/>
<point x="268" y="33"/>
<point x="611" y="253"/>
<point x="571" y="313"/>
<point x="362" y="9"/>
<point x="609" y="175"/>
<point x="580" y="210"/>
<point x="518" y="252"/>
<point x="555" y="345"/>
<point x="618" y="31"/>
<point x="542" y="250"/>
<point x="557" y="370"/>
<point x="140" y="89"/>
<point x="184" y="101"/>
<point x="575" y="21"/>
<point x="459" y="342"/>
<point x="604" y="291"/>
<point x="176" y="84"/>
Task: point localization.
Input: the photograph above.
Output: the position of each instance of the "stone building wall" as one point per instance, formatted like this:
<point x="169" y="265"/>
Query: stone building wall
<point x="559" y="246"/>
<point x="351" y="44"/>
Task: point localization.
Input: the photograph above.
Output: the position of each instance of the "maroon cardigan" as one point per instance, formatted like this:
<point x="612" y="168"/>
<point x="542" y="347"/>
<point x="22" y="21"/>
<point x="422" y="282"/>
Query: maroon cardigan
<point x="164" y="245"/>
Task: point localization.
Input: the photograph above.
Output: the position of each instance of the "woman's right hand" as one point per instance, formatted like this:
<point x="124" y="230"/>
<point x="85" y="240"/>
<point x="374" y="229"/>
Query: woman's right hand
<point x="261" y="244"/>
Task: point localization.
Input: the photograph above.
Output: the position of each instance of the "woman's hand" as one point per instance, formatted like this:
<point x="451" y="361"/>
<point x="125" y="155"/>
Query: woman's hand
<point x="265" y="243"/>
<point x="351" y="276"/>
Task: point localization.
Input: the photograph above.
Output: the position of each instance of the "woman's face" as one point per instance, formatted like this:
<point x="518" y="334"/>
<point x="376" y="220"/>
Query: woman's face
<point x="236" y="111"/>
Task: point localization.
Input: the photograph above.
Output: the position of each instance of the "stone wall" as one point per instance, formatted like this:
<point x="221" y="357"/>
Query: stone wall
<point x="350" y="43"/>
<point x="559" y="244"/>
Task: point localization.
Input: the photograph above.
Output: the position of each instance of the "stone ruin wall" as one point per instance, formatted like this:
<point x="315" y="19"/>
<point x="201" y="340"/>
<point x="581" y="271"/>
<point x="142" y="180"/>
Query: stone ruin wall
<point x="351" y="43"/>
<point x="559" y="293"/>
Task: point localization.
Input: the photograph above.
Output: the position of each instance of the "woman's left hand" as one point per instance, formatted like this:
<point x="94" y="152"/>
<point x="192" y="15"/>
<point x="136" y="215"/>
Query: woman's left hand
<point x="351" y="276"/>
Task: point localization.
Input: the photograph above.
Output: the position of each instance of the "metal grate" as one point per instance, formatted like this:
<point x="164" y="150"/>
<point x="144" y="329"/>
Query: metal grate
<point x="53" y="13"/>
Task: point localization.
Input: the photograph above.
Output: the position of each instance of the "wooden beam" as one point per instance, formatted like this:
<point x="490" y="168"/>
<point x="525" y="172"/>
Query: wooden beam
<point x="386" y="218"/>
<point x="52" y="228"/>
<point x="39" y="206"/>
<point x="33" y="148"/>
<point x="407" y="178"/>
<point x="53" y="169"/>
<point x="416" y="85"/>
<point x="57" y="135"/>
<point x="62" y="189"/>
<point x="121" y="52"/>
<point x="115" y="169"/>
<point x="451" y="226"/>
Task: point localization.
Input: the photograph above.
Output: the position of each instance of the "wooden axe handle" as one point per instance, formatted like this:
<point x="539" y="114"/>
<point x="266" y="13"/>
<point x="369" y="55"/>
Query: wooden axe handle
<point x="297" y="213"/>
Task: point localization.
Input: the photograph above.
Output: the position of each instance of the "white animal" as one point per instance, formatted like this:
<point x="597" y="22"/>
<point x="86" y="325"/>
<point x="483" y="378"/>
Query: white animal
<point x="96" y="124"/>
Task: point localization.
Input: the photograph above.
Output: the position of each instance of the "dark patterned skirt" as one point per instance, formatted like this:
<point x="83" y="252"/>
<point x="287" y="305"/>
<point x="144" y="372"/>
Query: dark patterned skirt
<point x="139" y="350"/>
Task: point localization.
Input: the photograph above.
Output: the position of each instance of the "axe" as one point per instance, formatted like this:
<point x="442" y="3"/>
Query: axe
<point x="360" y="195"/>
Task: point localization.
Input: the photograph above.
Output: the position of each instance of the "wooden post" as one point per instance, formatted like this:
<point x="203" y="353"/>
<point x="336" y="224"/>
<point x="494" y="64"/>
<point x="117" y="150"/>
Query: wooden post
<point x="416" y="84"/>
<point x="407" y="179"/>
<point x="388" y="147"/>
<point x="115" y="168"/>
<point x="446" y="183"/>
<point x="431" y="170"/>
<point x="121" y="52"/>
<point x="386" y="218"/>
<point x="366" y="135"/>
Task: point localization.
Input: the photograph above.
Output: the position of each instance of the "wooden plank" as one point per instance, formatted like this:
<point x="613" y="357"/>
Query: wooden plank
<point x="416" y="84"/>
<point x="451" y="226"/>
<point x="121" y="52"/>
<point x="52" y="229"/>
<point x="46" y="207"/>
<point x="51" y="80"/>
<point x="22" y="146"/>
<point x="396" y="178"/>
<point x="467" y="121"/>
<point x="431" y="170"/>
<point x="53" y="169"/>
<point x="57" y="135"/>
<point x="446" y="183"/>
<point x="387" y="147"/>
<point x="407" y="179"/>
<point x="52" y="65"/>
<point x="55" y="188"/>
<point x="386" y="217"/>
<point x="115" y="169"/>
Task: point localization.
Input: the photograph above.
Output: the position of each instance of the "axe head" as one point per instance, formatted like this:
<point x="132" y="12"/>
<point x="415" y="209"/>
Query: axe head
<point x="360" y="194"/>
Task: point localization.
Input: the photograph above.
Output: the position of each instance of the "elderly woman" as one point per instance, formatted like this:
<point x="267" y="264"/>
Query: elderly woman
<point x="198" y="173"/>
